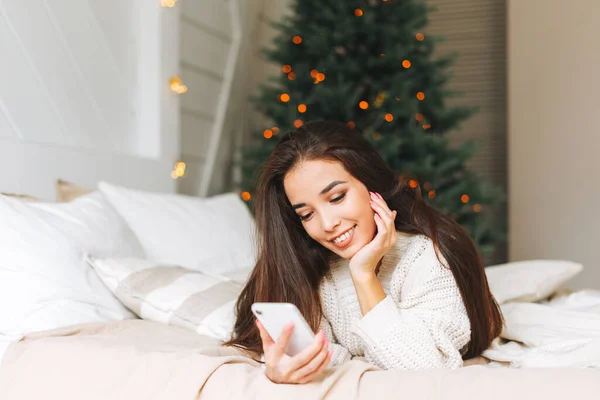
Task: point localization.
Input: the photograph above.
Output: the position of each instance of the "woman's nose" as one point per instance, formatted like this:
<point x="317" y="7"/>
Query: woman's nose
<point x="329" y="223"/>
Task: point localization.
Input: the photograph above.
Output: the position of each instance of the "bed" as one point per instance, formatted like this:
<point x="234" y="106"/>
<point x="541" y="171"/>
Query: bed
<point x="128" y="293"/>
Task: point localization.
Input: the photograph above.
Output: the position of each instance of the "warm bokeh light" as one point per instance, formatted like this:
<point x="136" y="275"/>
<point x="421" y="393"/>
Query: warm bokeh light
<point x="358" y="12"/>
<point x="464" y="198"/>
<point x="246" y="196"/>
<point x="275" y="130"/>
<point x="297" y="40"/>
<point x="389" y="117"/>
<point x="351" y="124"/>
<point x="477" y="207"/>
<point x="413" y="184"/>
<point x="302" y="108"/>
<point x="168" y="3"/>
<point x="419" y="117"/>
<point x="313" y="73"/>
<point x="431" y="194"/>
<point x="420" y="95"/>
<point x="176" y="85"/>
<point x="298" y="123"/>
<point x="284" y="97"/>
<point x="179" y="170"/>
<point x="406" y="64"/>
<point x="287" y="68"/>
<point x="427" y="126"/>
<point x="292" y="76"/>
<point x="363" y="105"/>
<point x="268" y="134"/>
<point x="420" y="37"/>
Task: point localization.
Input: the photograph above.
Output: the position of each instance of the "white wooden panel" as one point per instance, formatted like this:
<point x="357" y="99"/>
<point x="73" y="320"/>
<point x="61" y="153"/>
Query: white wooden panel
<point x="23" y="92"/>
<point x="201" y="49"/>
<point x="84" y="94"/>
<point x="7" y="128"/>
<point x="119" y="22"/>
<point x="43" y="44"/>
<point x="195" y="134"/>
<point x="212" y="14"/>
<point x="221" y="180"/>
<point x="101" y="79"/>
<point x="202" y="93"/>
<point x="33" y="168"/>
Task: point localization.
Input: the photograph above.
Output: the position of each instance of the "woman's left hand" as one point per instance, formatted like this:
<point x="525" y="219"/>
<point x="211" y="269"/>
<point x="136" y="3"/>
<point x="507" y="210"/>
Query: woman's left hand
<point x="364" y="263"/>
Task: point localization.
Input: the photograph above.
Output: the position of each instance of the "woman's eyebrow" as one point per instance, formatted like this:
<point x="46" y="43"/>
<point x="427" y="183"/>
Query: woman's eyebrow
<point x="331" y="186"/>
<point x="325" y="190"/>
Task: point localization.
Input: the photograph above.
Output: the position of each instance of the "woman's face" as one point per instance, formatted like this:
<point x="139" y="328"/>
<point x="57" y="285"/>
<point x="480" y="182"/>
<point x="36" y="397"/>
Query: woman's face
<point x="332" y="205"/>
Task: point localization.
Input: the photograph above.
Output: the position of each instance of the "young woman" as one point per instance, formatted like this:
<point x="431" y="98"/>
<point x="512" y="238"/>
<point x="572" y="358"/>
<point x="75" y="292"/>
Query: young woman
<point x="375" y="270"/>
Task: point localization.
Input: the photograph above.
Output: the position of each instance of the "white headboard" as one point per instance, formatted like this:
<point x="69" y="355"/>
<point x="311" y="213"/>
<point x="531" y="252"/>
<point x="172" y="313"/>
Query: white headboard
<point x="84" y="94"/>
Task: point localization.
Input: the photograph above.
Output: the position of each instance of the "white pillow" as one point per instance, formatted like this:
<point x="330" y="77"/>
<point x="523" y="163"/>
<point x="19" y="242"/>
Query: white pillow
<point x="94" y="225"/>
<point x="201" y="302"/>
<point x="528" y="281"/>
<point x="214" y="234"/>
<point x="45" y="282"/>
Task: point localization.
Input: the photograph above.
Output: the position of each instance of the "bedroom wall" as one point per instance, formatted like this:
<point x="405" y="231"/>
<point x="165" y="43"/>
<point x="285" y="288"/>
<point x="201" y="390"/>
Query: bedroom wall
<point x="84" y="94"/>
<point x="554" y="139"/>
<point x="206" y="40"/>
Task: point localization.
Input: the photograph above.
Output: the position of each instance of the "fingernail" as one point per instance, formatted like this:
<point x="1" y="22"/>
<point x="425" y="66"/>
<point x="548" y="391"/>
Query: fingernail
<point x="380" y="196"/>
<point x="372" y="194"/>
<point x="289" y="326"/>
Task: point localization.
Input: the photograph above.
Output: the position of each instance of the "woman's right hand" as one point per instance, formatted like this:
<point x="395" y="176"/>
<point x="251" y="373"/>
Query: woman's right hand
<point x="303" y="367"/>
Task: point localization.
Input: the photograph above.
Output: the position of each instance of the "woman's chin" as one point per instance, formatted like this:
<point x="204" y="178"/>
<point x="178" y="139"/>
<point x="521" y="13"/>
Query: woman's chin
<point x="346" y="253"/>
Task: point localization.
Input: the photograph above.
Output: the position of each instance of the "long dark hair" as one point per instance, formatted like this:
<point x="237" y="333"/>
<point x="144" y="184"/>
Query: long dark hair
<point x="291" y="265"/>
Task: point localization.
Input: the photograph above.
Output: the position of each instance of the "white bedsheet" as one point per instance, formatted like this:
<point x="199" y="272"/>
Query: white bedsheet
<point x="4" y="343"/>
<point x="562" y="332"/>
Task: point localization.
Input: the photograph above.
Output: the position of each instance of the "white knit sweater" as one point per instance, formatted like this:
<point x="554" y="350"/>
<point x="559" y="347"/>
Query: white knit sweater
<point x="422" y="322"/>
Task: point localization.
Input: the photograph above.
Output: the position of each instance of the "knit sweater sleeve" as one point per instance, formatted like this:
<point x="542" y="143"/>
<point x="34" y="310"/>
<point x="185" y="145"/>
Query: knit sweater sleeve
<point x="423" y="322"/>
<point x="340" y="354"/>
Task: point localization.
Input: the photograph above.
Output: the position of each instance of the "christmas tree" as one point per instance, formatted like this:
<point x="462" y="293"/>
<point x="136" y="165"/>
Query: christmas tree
<point x="369" y="64"/>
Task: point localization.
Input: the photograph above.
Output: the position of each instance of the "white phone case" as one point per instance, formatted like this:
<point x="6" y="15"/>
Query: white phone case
<point x="275" y="316"/>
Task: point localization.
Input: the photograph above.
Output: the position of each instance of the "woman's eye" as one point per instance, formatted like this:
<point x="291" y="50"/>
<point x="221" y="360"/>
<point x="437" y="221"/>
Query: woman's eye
<point x="305" y="216"/>
<point x="339" y="198"/>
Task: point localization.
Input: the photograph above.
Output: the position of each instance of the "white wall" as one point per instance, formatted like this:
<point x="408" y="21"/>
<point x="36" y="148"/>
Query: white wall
<point x="84" y="93"/>
<point x="554" y="136"/>
<point x="207" y="48"/>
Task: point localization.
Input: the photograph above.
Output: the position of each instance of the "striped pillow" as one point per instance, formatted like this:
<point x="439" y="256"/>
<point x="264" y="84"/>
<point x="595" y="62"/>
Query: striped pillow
<point x="173" y="295"/>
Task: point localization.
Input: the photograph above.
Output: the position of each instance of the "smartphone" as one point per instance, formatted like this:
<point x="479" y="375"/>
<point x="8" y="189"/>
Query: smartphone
<point x="275" y="316"/>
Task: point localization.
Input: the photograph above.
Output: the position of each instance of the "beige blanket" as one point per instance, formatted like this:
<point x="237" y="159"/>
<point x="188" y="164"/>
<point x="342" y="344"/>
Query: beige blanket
<point x="144" y="360"/>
